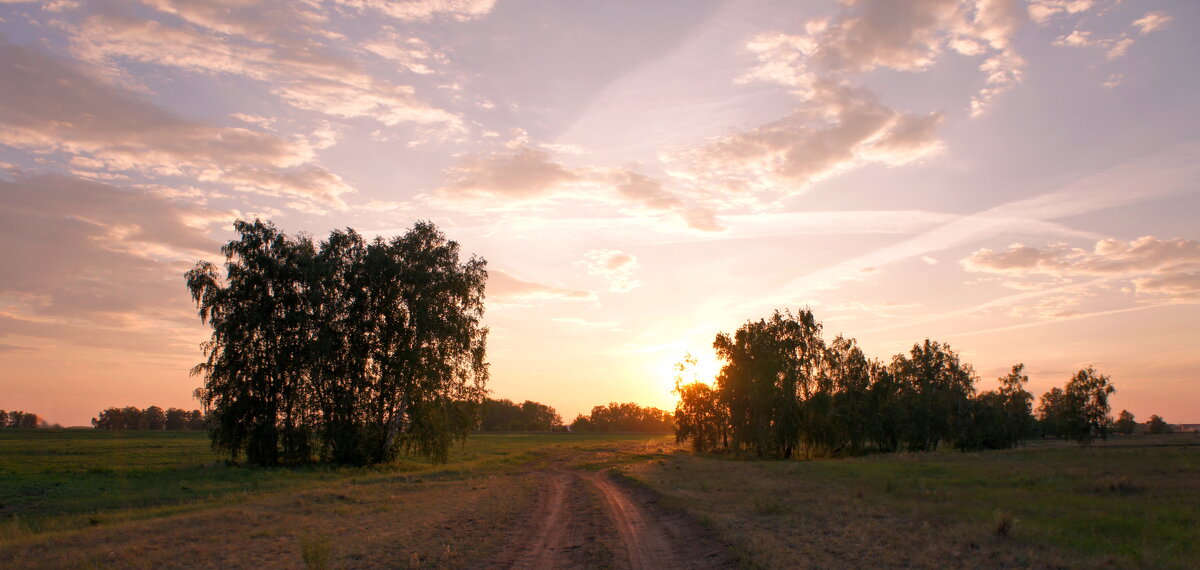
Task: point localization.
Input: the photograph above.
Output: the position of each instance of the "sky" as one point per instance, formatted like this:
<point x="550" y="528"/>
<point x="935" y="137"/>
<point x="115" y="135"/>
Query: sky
<point x="1020" y="180"/>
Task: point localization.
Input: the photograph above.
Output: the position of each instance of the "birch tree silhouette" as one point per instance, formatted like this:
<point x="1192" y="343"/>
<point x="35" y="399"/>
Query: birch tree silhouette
<point x="350" y="351"/>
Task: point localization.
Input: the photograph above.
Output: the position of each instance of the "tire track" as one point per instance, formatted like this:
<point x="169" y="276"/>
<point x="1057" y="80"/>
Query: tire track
<point x="646" y="545"/>
<point x="549" y="533"/>
<point x="586" y="519"/>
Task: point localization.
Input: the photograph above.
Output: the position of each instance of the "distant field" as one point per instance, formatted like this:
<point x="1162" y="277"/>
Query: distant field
<point x="1132" y="501"/>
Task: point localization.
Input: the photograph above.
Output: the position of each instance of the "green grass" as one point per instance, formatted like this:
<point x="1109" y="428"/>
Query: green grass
<point x="1138" y="504"/>
<point x="1133" y="502"/>
<point x="69" y="479"/>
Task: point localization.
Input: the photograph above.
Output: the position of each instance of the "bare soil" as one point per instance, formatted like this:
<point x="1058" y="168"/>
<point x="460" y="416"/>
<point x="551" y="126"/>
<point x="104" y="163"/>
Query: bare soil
<point x="587" y="519"/>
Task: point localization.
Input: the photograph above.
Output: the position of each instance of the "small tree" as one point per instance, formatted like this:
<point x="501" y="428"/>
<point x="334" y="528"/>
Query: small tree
<point x="1088" y="393"/>
<point x="699" y="416"/>
<point x="1018" y="406"/>
<point x="1125" y="424"/>
<point x="936" y="391"/>
<point x="155" y="418"/>
<point x="1157" y="425"/>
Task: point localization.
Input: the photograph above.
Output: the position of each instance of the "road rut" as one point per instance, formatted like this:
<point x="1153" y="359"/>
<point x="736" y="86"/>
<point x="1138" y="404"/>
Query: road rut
<point x="589" y="519"/>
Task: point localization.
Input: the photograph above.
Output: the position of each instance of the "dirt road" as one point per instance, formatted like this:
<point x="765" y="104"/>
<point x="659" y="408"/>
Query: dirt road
<point x="589" y="519"/>
<point x="549" y="508"/>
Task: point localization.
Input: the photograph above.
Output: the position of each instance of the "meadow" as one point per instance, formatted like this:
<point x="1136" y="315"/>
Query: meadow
<point x="84" y="498"/>
<point x="1128" y="502"/>
<point x="67" y="495"/>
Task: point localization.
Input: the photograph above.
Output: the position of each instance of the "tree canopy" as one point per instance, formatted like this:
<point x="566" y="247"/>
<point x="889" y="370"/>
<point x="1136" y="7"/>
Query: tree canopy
<point x="18" y="419"/>
<point x="784" y="390"/>
<point x="1080" y="410"/>
<point x="348" y="350"/>
<point x="505" y="415"/>
<point x="627" y="417"/>
<point x="152" y="418"/>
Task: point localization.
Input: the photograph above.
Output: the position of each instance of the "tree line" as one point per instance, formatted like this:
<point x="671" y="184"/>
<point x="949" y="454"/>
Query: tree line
<point x="783" y="391"/>
<point x="627" y="417"/>
<point x="505" y="415"/>
<point x="1126" y="424"/>
<point x="18" y="419"/>
<point x="151" y="418"/>
<point x="348" y="351"/>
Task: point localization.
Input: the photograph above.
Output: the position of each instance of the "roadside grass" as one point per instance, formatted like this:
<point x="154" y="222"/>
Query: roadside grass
<point x="64" y="480"/>
<point x="1130" y="502"/>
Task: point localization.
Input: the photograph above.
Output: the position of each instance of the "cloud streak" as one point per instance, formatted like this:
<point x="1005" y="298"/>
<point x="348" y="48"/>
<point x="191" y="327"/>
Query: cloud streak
<point x="901" y="36"/>
<point x="615" y="266"/>
<point x="840" y="128"/>
<point x="507" y="289"/>
<point x="1163" y="269"/>
<point x="301" y="72"/>
<point x="46" y="105"/>
<point x="1166" y="173"/>
<point x="521" y="175"/>
<point x="83" y="257"/>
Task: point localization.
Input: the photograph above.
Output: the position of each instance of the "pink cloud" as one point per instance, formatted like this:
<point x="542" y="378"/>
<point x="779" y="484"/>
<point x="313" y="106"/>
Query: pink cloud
<point x="90" y="264"/>
<point x="424" y="10"/>
<point x="1166" y="269"/>
<point x="46" y="105"/>
<point x="841" y="127"/>
<point x="300" y="70"/>
<point x="507" y="288"/>
<point x="521" y="174"/>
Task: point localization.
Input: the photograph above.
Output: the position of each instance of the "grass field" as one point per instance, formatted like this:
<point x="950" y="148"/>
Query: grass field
<point x="1128" y="502"/>
<point x="83" y="488"/>
<point x="128" y="499"/>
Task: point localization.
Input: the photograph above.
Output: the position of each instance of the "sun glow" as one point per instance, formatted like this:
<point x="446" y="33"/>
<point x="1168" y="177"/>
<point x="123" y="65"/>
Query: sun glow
<point x="704" y="368"/>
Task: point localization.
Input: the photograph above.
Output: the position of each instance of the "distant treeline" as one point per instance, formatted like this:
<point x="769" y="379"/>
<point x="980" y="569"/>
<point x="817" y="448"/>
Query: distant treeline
<point x="505" y="415"/>
<point x="1126" y="424"/>
<point x="18" y="419"/>
<point x="784" y="390"/>
<point x="152" y="418"/>
<point x="628" y="417"/>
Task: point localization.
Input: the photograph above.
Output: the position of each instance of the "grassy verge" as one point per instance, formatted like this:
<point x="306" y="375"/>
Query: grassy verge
<point x="1135" y="502"/>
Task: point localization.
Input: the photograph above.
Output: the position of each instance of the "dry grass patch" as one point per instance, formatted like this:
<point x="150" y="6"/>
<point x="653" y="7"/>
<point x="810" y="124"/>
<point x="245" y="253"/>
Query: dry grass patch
<point x="1128" y="503"/>
<point x="380" y="523"/>
<point x="776" y="519"/>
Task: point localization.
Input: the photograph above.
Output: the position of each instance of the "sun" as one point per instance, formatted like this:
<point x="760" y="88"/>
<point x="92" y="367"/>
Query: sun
<point x="704" y="370"/>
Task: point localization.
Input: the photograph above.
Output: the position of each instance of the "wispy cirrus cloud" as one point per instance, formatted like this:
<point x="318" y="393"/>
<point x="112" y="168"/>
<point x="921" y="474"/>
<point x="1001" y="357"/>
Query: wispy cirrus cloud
<point x="902" y="36"/>
<point x="1162" y="269"/>
<point x="519" y="175"/>
<point x="409" y="52"/>
<point x="838" y="124"/>
<point x="508" y="289"/>
<point x="424" y="10"/>
<point x="48" y="105"/>
<point x="82" y="253"/>
<point x="1041" y="11"/>
<point x="286" y="52"/>
<point x="617" y="267"/>
<point x="1152" y="22"/>
<point x="839" y="128"/>
<point x="1165" y="173"/>
<point x="1114" y="46"/>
